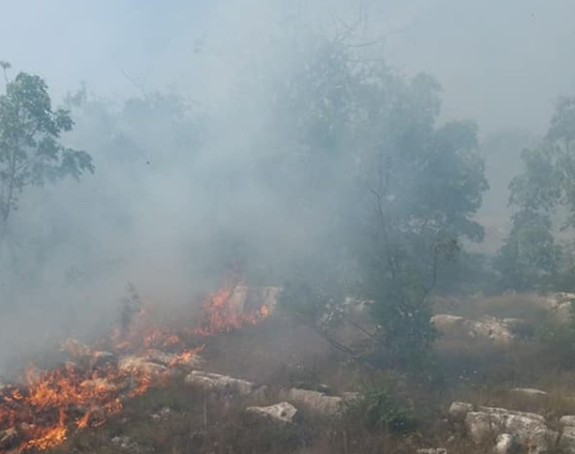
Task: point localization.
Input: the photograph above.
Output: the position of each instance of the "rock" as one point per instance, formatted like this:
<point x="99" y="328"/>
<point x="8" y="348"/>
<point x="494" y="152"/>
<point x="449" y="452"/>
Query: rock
<point x="530" y="392"/>
<point x="449" y="324"/>
<point x="221" y="383"/>
<point x="567" y="441"/>
<point x="505" y="444"/>
<point x="432" y="451"/>
<point x="526" y="428"/>
<point x="141" y="366"/>
<point x="493" y="329"/>
<point x="567" y="420"/>
<point x="164" y="413"/>
<point x="498" y="331"/>
<point x="459" y="410"/>
<point x="478" y="424"/>
<point x="319" y="402"/>
<point x="559" y="304"/>
<point x="171" y="360"/>
<point x="505" y="411"/>
<point x="284" y="412"/>
<point x="123" y="442"/>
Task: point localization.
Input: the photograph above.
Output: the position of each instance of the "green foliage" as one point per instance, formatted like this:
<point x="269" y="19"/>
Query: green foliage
<point x="530" y="258"/>
<point x="382" y="406"/>
<point x="563" y="121"/>
<point x="559" y="337"/>
<point x="30" y="150"/>
<point x="401" y="192"/>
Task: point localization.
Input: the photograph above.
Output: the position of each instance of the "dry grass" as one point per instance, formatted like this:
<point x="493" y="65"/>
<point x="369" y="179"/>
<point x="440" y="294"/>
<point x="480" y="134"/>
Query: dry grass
<point x="281" y="353"/>
<point x="522" y="306"/>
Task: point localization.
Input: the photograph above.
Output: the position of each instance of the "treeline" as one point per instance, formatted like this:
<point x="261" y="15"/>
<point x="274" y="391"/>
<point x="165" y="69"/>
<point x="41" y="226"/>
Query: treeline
<point x="330" y="176"/>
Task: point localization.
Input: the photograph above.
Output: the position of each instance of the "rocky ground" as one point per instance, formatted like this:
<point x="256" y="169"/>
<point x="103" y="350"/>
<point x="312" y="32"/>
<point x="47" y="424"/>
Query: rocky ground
<point x="278" y="388"/>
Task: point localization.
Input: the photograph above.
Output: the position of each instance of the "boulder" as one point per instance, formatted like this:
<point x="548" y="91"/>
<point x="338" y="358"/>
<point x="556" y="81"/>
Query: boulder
<point x="314" y="400"/>
<point x="505" y="444"/>
<point x="283" y="413"/>
<point x="478" y="424"/>
<point x="141" y="366"/>
<point x="170" y="360"/>
<point x="567" y="441"/>
<point x="530" y="392"/>
<point x="451" y="325"/>
<point x="432" y="451"/>
<point x="459" y="410"/>
<point x="567" y="420"/>
<point x="498" y="331"/>
<point x="528" y="429"/>
<point x="221" y="383"/>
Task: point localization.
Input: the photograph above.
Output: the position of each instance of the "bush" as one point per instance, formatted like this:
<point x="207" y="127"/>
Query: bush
<point x="382" y="406"/>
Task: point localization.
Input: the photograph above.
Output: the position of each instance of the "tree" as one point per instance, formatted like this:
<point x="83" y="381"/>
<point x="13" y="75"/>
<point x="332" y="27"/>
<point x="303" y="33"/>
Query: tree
<point x="543" y="197"/>
<point x="400" y="192"/>
<point x="30" y="150"/>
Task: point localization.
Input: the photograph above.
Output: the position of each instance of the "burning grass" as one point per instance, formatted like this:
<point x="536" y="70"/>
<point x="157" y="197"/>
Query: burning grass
<point x="39" y="410"/>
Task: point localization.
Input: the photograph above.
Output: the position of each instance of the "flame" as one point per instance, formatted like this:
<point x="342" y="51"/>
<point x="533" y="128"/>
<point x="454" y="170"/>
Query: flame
<point x="41" y="411"/>
<point x="222" y="312"/>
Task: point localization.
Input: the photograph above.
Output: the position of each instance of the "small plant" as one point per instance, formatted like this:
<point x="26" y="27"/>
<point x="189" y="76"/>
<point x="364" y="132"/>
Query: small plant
<point x="381" y="406"/>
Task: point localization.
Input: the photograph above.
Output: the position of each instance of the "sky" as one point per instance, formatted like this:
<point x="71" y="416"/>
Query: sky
<point x="500" y="62"/>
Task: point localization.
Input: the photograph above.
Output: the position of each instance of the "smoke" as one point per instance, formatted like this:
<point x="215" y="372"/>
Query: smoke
<point x="181" y="190"/>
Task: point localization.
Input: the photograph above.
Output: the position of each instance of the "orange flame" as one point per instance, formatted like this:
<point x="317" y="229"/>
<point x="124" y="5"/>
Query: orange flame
<point x="84" y="392"/>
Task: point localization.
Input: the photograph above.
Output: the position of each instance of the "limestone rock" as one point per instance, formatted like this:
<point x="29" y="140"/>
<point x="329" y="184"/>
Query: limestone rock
<point x="505" y="444"/>
<point x="567" y="441"/>
<point x="220" y="383"/>
<point x="141" y="365"/>
<point x="528" y="429"/>
<point x="319" y="402"/>
<point x="567" y="420"/>
<point x="530" y="393"/>
<point x="459" y="410"/>
<point x="283" y="413"/>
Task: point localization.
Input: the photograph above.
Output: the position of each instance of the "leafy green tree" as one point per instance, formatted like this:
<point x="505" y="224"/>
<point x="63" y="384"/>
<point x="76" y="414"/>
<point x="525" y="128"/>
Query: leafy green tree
<point x="31" y="153"/>
<point x="400" y="190"/>
<point x="543" y="197"/>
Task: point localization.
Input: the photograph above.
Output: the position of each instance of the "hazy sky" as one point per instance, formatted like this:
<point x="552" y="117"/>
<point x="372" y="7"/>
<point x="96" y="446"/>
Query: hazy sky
<point x="501" y="62"/>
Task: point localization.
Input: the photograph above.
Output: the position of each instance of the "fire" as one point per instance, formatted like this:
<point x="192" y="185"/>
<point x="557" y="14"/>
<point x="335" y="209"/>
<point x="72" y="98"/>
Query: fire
<point x="41" y="412"/>
<point x="223" y="311"/>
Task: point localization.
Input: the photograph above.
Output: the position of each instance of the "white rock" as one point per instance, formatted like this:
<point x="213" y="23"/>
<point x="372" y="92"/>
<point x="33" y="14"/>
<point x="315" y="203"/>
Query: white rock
<point x="327" y="405"/>
<point x="170" y="360"/>
<point x="478" y="424"/>
<point x="222" y="383"/>
<point x="141" y="365"/>
<point x="505" y="444"/>
<point x="432" y="451"/>
<point x="567" y="420"/>
<point x="530" y="392"/>
<point x="567" y="441"/>
<point x="459" y="410"/>
<point x="526" y="428"/>
<point x="505" y="411"/>
<point x="489" y="328"/>
<point x="284" y="412"/>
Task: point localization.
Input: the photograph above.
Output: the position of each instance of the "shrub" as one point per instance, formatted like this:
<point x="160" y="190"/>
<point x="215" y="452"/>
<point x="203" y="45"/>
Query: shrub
<point x="382" y="406"/>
